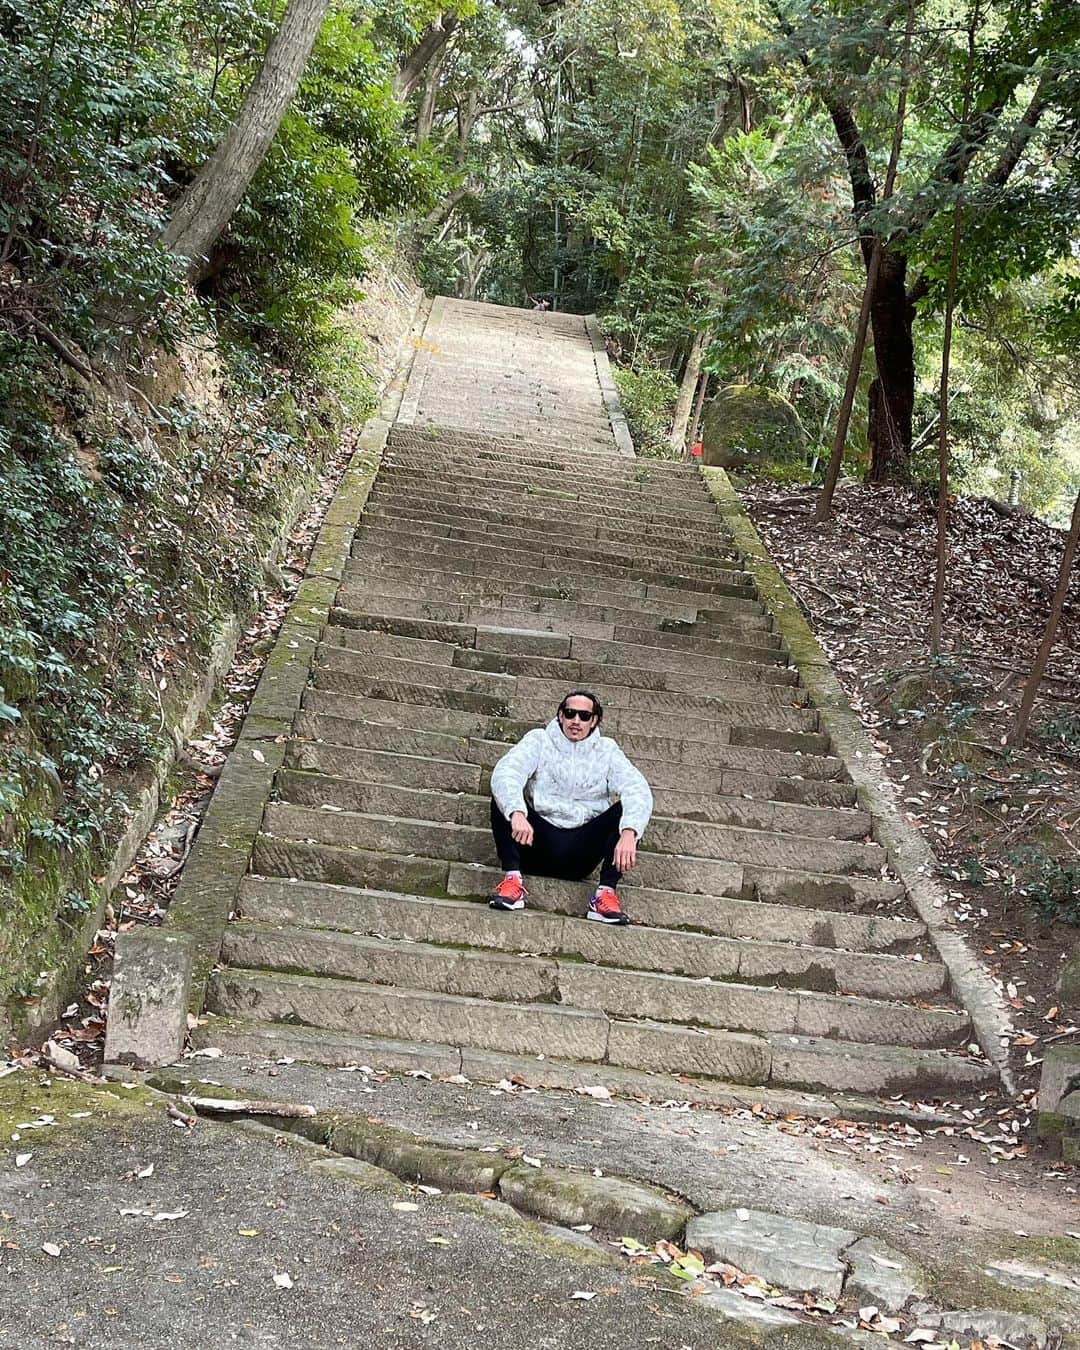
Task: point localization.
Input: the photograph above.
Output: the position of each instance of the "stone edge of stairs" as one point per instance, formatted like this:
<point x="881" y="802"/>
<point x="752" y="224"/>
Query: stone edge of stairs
<point x="909" y="854"/>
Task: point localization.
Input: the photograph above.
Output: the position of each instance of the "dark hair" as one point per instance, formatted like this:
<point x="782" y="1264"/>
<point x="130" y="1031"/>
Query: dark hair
<point x="598" y="711"/>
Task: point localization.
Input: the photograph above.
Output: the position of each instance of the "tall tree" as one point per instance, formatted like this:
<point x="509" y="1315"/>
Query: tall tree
<point x="204" y="209"/>
<point x="1023" y="74"/>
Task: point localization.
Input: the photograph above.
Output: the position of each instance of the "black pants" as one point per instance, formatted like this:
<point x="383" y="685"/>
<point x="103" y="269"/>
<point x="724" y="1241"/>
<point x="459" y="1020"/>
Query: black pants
<point x="570" y="854"/>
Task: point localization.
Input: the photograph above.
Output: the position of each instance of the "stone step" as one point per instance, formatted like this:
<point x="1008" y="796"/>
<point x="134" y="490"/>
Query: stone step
<point x="439" y="446"/>
<point x="346" y="660"/>
<point x="724" y="915"/>
<point x="745" y="791"/>
<point x="446" y="447"/>
<point x="689" y="840"/>
<point x="447" y="599"/>
<point x="352" y="865"/>
<point x="712" y="998"/>
<point x="531" y="535"/>
<point x="357" y="865"/>
<point x="709" y="707"/>
<point x="382" y="698"/>
<point x="584" y="1034"/>
<point x="395" y="771"/>
<point x="398" y="512"/>
<point x="502" y="559"/>
<point x="528" y="535"/>
<point x="855" y="1068"/>
<point x="360" y="598"/>
<point x="616" y="590"/>
<point x="559" y="471"/>
<point x="378" y="537"/>
<point x="395" y="495"/>
<point x="635" y="522"/>
<point x="462" y="923"/>
<point x="460" y="483"/>
<point x="391" y="730"/>
<point x="535" y="702"/>
<point x="431" y="802"/>
<point x="617" y="681"/>
<point x="598" y="652"/>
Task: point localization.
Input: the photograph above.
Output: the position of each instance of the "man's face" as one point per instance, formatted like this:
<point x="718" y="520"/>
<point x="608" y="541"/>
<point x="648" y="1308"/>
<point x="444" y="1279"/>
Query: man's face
<point x="575" y="728"/>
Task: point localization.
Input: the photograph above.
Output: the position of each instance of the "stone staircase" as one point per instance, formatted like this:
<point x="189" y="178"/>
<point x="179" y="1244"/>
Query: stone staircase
<point x="770" y="943"/>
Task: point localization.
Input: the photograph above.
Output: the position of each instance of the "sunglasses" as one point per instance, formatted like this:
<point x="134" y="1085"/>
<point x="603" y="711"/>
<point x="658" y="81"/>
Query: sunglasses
<point x="586" y="715"/>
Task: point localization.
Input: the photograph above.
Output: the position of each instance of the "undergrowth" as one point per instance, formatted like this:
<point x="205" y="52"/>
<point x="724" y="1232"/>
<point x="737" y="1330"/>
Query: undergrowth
<point x="136" y="503"/>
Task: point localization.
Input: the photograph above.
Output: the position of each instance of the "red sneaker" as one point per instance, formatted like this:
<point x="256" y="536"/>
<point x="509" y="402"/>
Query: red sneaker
<point x="604" y="906"/>
<point x="508" y="894"/>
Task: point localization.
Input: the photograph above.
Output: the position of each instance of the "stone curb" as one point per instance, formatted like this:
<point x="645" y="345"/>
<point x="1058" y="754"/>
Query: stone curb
<point x="409" y="407"/>
<point x="784" y="1252"/>
<point x="608" y="389"/>
<point x="909" y="854"/>
<point x="208" y="886"/>
<point x="612" y="1204"/>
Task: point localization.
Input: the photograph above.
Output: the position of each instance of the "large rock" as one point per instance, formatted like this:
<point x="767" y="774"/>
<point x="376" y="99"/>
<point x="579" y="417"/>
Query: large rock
<point x="749" y="426"/>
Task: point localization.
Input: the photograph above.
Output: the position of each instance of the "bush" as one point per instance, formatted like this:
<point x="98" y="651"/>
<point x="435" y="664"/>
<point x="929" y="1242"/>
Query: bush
<point x="648" y="398"/>
<point x="1051" y="884"/>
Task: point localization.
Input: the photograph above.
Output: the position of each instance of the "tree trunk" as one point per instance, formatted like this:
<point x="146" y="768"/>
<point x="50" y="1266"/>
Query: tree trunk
<point x="432" y="41"/>
<point x="425" y="112"/>
<point x="699" y="406"/>
<point x="684" y="404"/>
<point x="1038" y="668"/>
<point x="206" y="206"/>
<point x="847" y="403"/>
<point x="892" y="392"/>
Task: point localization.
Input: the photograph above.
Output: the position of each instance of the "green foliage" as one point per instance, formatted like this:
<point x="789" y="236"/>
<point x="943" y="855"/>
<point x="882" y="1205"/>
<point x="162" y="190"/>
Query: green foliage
<point x="648" y="399"/>
<point x="1051" y="884"/>
<point x="128" y="525"/>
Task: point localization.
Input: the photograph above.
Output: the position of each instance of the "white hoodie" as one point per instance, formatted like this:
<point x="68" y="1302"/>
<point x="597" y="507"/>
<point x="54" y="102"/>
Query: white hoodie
<point x="570" y="782"/>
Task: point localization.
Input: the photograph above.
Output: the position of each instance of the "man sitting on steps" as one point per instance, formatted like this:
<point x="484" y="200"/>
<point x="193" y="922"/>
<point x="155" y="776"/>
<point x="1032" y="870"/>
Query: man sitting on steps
<point x="587" y="804"/>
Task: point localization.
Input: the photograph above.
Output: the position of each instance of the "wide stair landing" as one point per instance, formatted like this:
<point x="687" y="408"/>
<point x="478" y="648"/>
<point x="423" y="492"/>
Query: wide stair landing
<point x="770" y="943"/>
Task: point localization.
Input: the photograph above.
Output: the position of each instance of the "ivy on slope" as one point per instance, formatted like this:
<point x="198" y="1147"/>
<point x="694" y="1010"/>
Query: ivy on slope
<point x="134" y="506"/>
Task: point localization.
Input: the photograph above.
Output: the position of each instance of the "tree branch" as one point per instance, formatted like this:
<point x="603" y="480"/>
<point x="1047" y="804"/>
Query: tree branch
<point x="58" y="345"/>
<point x="999" y="175"/>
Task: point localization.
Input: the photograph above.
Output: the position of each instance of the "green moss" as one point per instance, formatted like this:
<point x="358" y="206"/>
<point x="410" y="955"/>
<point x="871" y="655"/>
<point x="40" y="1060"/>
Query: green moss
<point x="29" y="1094"/>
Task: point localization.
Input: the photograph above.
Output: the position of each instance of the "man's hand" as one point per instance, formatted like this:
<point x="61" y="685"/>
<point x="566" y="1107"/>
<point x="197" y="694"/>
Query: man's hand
<point x="626" y="851"/>
<point x="520" y="829"/>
